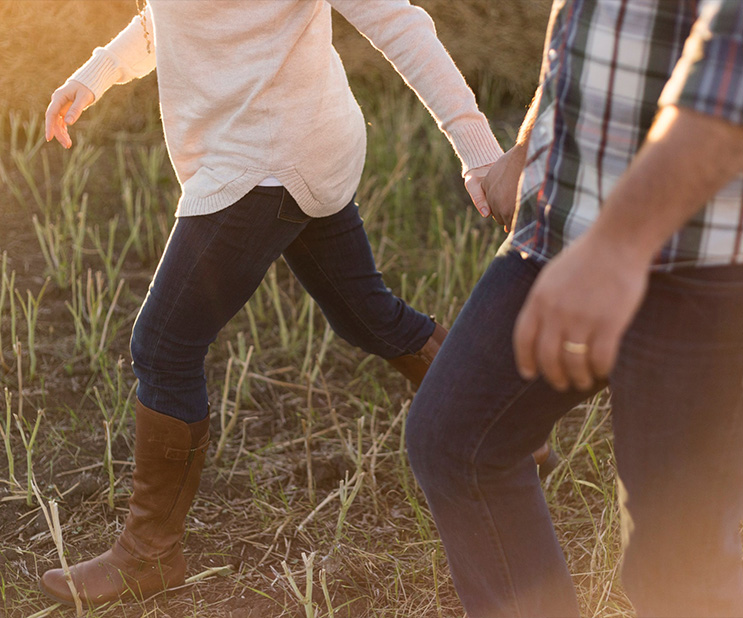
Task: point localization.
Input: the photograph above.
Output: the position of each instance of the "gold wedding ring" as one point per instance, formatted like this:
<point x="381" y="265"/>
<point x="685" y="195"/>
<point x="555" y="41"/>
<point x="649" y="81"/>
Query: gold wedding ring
<point x="575" y="348"/>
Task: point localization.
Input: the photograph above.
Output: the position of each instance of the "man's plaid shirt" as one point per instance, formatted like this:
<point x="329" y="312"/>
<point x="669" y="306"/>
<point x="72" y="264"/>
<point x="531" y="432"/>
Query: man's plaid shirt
<point x="608" y="67"/>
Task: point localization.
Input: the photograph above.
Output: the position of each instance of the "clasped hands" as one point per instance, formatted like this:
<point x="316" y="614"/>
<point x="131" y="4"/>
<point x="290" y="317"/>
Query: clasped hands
<point x="493" y="188"/>
<point x="572" y="322"/>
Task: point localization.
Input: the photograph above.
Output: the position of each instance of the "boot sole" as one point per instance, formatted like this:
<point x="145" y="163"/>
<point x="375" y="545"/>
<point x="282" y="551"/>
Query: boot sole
<point x="87" y="605"/>
<point x="57" y="599"/>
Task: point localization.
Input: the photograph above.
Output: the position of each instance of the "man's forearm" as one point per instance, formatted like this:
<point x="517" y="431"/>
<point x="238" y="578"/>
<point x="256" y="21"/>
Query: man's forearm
<point x="685" y="160"/>
<point x="528" y="123"/>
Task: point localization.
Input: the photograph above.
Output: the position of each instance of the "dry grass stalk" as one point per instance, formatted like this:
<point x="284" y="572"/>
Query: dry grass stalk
<point x="31" y="312"/>
<point x="5" y="430"/>
<point x="5" y="289"/>
<point x="28" y="444"/>
<point x="304" y="599"/>
<point x="47" y="611"/>
<point x="326" y="593"/>
<point x="220" y="571"/>
<point x="307" y="426"/>
<point x="19" y="371"/>
<point x="228" y="426"/>
<point x="55" y="529"/>
<point x="107" y="320"/>
<point x="109" y="465"/>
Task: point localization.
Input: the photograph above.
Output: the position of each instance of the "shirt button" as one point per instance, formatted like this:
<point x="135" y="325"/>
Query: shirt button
<point x="552" y="55"/>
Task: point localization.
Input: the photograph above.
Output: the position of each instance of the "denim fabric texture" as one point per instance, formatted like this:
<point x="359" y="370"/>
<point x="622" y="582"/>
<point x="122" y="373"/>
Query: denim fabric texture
<point x="213" y="263"/>
<point x="677" y="413"/>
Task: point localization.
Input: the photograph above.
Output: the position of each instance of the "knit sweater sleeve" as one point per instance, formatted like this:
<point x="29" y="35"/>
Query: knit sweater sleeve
<point x="128" y="56"/>
<point x="406" y="35"/>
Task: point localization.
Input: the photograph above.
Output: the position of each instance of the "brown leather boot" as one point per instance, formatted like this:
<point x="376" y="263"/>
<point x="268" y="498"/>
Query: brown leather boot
<point x="147" y="558"/>
<point x="414" y="368"/>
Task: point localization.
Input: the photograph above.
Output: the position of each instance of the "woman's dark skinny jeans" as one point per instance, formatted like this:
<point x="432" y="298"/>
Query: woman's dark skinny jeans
<point x="213" y="263"/>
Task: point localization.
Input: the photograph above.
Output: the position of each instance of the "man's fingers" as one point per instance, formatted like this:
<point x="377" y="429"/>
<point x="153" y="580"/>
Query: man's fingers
<point x="524" y="342"/>
<point x="604" y="352"/>
<point x="576" y="359"/>
<point x="549" y="357"/>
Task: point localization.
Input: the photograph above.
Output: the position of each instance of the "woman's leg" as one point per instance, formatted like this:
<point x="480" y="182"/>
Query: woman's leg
<point x="333" y="261"/>
<point x="211" y="266"/>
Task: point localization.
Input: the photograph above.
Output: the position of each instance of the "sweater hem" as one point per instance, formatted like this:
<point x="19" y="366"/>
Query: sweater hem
<point x="190" y="205"/>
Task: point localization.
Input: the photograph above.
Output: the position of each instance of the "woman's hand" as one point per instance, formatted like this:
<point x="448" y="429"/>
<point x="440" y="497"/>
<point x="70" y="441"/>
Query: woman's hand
<point x="68" y="102"/>
<point x="473" y="180"/>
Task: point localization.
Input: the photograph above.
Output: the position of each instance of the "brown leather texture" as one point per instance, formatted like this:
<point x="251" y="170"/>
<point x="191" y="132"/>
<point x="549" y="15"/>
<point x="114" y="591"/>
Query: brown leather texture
<point x="414" y="366"/>
<point x="147" y="558"/>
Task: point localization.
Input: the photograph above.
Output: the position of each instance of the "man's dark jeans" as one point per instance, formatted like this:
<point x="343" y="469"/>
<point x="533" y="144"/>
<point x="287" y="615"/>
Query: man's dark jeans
<point x="677" y="406"/>
<point x="213" y="263"/>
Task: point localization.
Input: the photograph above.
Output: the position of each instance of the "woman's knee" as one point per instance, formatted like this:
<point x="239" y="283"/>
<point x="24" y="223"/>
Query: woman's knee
<point x="140" y="347"/>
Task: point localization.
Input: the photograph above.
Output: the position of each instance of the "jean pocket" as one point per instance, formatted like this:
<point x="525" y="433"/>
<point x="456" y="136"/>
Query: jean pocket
<point x="290" y="211"/>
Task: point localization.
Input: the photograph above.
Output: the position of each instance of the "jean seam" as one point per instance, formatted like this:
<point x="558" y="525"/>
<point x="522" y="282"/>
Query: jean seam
<point x="180" y="290"/>
<point x="343" y="298"/>
<point x="481" y="498"/>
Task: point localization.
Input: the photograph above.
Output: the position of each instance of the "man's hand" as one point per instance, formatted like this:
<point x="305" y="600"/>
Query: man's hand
<point x="68" y="102"/>
<point x="572" y="322"/>
<point x="473" y="180"/>
<point x="502" y="182"/>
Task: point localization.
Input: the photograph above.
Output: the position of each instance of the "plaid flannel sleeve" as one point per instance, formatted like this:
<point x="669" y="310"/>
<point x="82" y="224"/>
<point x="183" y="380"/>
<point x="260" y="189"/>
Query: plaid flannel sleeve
<point x="709" y="75"/>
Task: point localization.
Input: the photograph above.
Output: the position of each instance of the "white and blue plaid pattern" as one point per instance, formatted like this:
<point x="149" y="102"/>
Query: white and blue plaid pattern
<point x="608" y="66"/>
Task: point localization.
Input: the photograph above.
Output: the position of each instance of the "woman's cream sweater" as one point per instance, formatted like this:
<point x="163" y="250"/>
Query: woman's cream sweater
<point x="254" y="88"/>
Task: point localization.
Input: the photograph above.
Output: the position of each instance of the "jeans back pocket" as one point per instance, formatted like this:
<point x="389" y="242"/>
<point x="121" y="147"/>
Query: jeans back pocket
<point x="290" y="211"/>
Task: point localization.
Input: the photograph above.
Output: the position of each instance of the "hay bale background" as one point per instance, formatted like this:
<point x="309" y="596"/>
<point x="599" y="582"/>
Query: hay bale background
<point x="496" y="43"/>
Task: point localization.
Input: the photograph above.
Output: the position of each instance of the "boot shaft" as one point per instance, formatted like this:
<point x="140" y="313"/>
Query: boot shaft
<point x="168" y="458"/>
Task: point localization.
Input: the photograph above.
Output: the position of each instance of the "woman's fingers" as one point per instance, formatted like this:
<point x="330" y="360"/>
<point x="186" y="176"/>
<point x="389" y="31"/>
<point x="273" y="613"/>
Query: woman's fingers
<point x="54" y="119"/>
<point x="473" y="183"/>
<point x="67" y="104"/>
<point x="53" y="115"/>
<point x="83" y="99"/>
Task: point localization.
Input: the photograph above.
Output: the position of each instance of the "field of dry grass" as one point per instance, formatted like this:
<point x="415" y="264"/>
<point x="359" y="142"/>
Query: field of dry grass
<point x="307" y="506"/>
